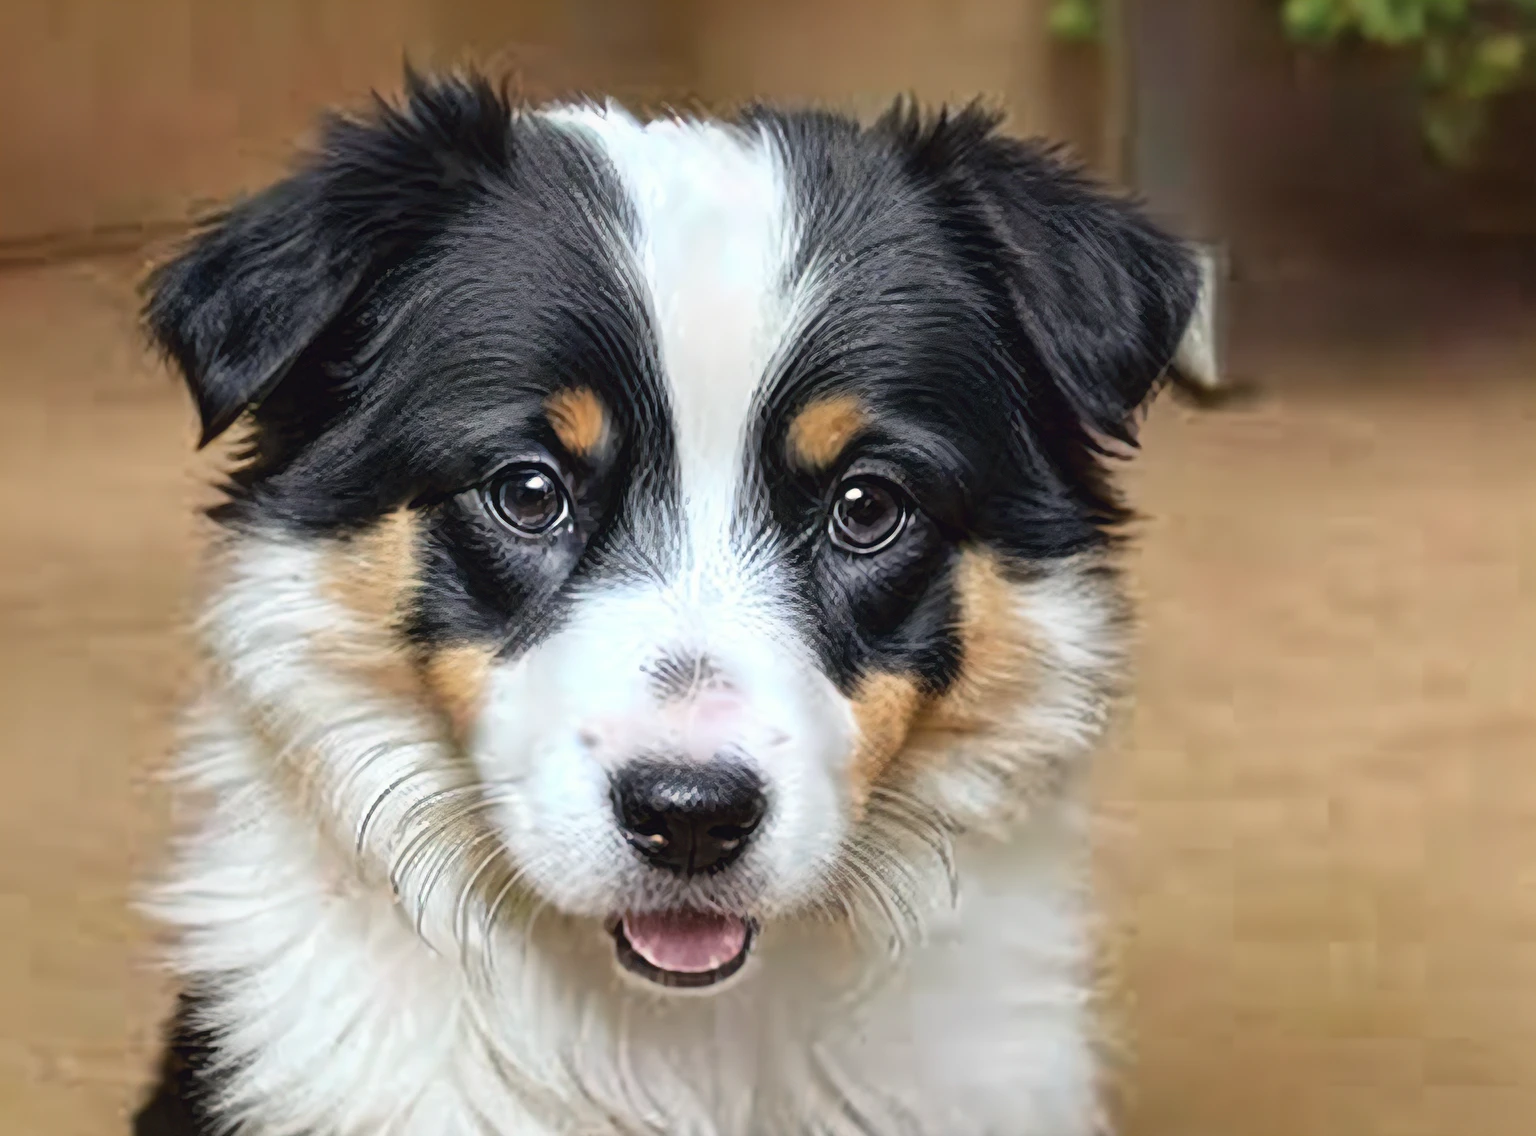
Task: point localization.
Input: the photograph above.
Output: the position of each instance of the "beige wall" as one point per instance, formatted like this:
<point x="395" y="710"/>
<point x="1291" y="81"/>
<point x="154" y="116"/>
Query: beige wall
<point x="862" y="53"/>
<point x="121" y="112"/>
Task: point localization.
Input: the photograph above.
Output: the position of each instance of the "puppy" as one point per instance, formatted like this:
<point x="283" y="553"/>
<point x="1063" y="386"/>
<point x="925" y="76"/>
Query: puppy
<point x="661" y="610"/>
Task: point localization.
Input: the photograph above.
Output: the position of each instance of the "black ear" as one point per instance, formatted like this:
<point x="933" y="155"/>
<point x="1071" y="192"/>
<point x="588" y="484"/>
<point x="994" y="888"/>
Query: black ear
<point x="1104" y="297"/>
<point x="239" y="305"/>
<point x="236" y="310"/>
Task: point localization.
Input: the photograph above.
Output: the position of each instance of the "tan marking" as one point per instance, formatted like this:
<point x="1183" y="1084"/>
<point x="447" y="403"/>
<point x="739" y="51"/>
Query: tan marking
<point x="372" y="576"/>
<point x="995" y="650"/>
<point x="822" y="429"/>
<point x="455" y="678"/>
<point x="579" y="420"/>
<point x="883" y="708"/>
<point x="373" y="573"/>
<point x="995" y="674"/>
<point x="384" y="668"/>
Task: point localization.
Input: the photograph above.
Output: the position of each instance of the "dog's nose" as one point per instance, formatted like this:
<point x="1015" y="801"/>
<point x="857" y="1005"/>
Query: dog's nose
<point x="688" y="818"/>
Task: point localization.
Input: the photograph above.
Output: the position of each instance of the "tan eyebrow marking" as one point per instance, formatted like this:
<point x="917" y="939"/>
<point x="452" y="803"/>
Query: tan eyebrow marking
<point x="579" y="420"/>
<point x="823" y="428"/>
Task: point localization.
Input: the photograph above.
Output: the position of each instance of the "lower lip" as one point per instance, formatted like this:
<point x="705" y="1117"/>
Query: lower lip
<point x="634" y="963"/>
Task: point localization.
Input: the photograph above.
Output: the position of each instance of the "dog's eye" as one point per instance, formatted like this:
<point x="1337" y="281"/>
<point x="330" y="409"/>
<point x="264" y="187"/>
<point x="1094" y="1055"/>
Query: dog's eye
<point x="868" y="514"/>
<point x="529" y="499"/>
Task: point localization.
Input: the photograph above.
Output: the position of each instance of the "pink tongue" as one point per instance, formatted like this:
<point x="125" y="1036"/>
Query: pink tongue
<point x="688" y="942"/>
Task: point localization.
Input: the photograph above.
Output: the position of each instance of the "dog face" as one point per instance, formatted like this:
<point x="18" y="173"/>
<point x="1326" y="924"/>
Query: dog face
<point x="714" y="511"/>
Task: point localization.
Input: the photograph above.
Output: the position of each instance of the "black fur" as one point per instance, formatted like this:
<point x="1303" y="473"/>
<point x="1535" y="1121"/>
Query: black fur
<point x="393" y="315"/>
<point x="185" y="1082"/>
<point x="1002" y="319"/>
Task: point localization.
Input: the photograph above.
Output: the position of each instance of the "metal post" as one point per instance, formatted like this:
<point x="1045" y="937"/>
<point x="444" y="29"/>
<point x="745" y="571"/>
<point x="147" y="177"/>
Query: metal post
<point x="1157" y="94"/>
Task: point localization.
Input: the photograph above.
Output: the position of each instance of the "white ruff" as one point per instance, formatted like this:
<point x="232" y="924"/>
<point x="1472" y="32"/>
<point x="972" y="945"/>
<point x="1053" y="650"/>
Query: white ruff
<point x="343" y="1017"/>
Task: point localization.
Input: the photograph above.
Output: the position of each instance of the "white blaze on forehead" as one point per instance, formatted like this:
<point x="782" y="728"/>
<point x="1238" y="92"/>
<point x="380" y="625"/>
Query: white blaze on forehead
<point x="714" y="239"/>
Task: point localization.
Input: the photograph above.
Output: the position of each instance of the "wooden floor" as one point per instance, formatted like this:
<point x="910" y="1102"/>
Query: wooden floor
<point x="1318" y="829"/>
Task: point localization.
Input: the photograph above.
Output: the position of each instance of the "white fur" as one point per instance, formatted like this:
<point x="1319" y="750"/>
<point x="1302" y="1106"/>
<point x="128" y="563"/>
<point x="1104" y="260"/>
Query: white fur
<point x="345" y="1017"/>
<point x="716" y="234"/>
<point x="567" y="713"/>
<point x="383" y="964"/>
<point x="712" y="245"/>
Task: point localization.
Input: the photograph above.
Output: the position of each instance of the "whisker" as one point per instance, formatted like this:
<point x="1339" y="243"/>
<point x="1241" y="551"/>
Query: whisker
<point x="445" y="862"/>
<point x="437" y="797"/>
<point x="378" y="802"/>
<point x="420" y="844"/>
<point x="461" y="906"/>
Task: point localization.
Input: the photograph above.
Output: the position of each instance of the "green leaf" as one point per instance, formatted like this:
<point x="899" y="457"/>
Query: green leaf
<point x="1313" y="21"/>
<point x="1470" y="52"/>
<point x="1453" y="128"/>
<point x="1504" y="52"/>
<point x="1436" y="65"/>
<point x="1391" y="22"/>
<point x="1494" y="66"/>
<point x="1075" y="20"/>
<point x="1447" y="12"/>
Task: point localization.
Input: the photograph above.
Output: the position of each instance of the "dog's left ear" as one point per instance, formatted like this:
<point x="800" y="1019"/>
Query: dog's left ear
<point x="1104" y="297"/>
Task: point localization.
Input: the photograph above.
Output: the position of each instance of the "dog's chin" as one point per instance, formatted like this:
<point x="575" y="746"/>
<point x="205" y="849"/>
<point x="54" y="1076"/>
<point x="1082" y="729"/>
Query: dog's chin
<point x="682" y="950"/>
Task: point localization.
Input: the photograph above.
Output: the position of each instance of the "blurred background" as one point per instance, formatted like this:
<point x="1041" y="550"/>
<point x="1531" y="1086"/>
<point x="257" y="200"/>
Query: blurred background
<point x="1317" y="826"/>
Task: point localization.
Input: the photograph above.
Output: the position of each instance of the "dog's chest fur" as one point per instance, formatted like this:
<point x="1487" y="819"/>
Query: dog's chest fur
<point x="337" y="1020"/>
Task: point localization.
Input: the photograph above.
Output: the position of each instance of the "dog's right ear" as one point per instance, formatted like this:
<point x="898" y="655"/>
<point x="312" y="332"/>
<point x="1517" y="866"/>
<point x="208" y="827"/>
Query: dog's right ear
<point x="238" y="306"/>
<point x="237" y="309"/>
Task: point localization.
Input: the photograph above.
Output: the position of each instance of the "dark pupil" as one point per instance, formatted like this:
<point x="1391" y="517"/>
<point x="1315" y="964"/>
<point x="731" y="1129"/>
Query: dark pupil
<point x="865" y="514"/>
<point x="530" y="499"/>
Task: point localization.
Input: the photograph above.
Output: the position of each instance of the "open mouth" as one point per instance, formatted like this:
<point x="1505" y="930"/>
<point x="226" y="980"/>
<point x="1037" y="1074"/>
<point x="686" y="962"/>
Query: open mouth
<point x="683" y="949"/>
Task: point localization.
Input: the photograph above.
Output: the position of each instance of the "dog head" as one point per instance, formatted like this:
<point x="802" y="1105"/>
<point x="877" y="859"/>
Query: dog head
<point x="700" y="508"/>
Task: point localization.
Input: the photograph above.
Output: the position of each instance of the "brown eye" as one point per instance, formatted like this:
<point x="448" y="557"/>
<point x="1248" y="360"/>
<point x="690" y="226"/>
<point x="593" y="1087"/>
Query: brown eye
<point x="529" y="499"/>
<point x="868" y="514"/>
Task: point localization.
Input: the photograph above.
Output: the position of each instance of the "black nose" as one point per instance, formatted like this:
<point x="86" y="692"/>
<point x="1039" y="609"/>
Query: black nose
<point x="688" y="818"/>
